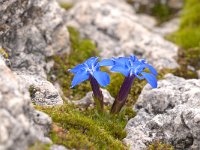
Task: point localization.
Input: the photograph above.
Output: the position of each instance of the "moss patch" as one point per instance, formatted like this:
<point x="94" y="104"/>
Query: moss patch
<point x="3" y="53"/>
<point x="81" y="49"/>
<point x="188" y="35"/>
<point x="160" y="146"/>
<point x="162" y="12"/>
<point x="87" y="129"/>
<point x="66" y="6"/>
<point x="39" y="146"/>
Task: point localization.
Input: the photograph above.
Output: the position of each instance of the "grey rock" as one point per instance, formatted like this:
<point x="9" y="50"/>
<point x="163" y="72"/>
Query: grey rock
<point x="42" y="123"/>
<point x="167" y="27"/>
<point x="43" y="92"/>
<point x="88" y="100"/>
<point x="21" y="125"/>
<point x="148" y="5"/>
<point x="118" y="31"/>
<point x="16" y="131"/>
<point x="30" y="31"/>
<point x="169" y="113"/>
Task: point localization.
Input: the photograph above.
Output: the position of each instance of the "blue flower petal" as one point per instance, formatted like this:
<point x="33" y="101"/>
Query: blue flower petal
<point x="121" y="69"/>
<point x="102" y="78"/>
<point x="79" y="77"/>
<point x="77" y="68"/>
<point x="152" y="69"/>
<point x="91" y="61"/>
<point x="151" y="79"/>
<point x="133" y="58"/>
<point x="106" y="62"/>
<point x="121" y="60"/>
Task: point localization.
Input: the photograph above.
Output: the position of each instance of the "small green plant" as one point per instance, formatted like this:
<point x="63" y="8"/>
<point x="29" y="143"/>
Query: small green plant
<point x="130" y="67"/>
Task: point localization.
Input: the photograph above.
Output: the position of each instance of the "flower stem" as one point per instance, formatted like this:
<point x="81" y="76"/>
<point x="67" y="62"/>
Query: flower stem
<point x="121" y="98"/>
<point x="97" y="94"/>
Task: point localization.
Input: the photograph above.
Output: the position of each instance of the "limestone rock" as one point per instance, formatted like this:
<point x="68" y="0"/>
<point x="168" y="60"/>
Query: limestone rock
<point x="118" y="31"/>
<point x="169" y="113"/>
<point x="168" y="27"/>
<point x="42" y="92"/>
<point x="30" y="30"/>
<point x="42" y="123"/>
<point x="148" y="5"/>
<point x="16" y="129"/>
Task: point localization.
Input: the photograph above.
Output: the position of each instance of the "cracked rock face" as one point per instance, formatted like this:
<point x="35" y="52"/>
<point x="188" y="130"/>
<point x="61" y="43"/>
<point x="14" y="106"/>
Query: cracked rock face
<point x="17" y="127"/>
<point x="30" y="30"/>
<point x="170" y="113"/>
<point x="118" y="31"/>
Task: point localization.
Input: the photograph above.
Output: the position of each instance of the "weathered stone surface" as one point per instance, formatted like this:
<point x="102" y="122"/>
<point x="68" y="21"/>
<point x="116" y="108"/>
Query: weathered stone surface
<point x="42" y="92"/>
<point x="170" y="113"/>
<point x="167" y="27"/>
<point x="30" y="31"/>
<point x="17" y="130"/>
<point x="88" y="100"/>
<point x="42" y="123"/>
<point x="117" y="31"/>
<point x="148" y="5"/>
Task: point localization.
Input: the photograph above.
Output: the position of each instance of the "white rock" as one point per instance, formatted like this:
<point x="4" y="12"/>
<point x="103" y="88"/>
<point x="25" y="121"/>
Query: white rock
<point x="16" y="128"/>
<point x="169" y="113"/>
<point x="118" y="31"/>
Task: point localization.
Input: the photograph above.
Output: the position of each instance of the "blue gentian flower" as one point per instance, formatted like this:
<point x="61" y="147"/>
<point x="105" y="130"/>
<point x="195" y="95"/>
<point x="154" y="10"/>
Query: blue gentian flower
<point x="130" y="67"/>
<point x="90" y="69"/>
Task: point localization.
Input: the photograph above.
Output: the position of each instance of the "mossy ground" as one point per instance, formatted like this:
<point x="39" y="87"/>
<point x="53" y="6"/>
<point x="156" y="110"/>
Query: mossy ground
<point x="87" y="129"/>
<point x="188" y="35"/>
<point x="39" y="146"/>
<point x="157" y="145"/>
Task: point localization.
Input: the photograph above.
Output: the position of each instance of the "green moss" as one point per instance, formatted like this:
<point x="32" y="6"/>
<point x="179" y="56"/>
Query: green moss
<point x="66" y="6"/>
<point x="32" y="91"/>
<point x="87" y="129"/>
<point x="39" y="146"/>
<point x="3" y="53"/>
<point x="162" y="12"/>
<point x="160" y="146"/>
<point x="188" y="35"/>
<point x="81" y="49"/>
